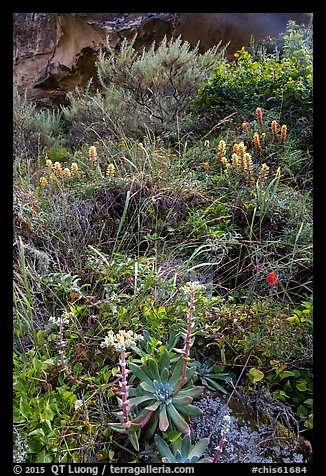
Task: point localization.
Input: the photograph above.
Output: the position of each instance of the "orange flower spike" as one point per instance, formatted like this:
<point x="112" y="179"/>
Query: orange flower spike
<point x="274" y="130"/>
<point x="236" y="149"/>
<point x="259" y="114"/>
<point x="206" y="165"/>
<point x="245" y="126"/>
<point x="283" y="133"/>
<point x="257" y="141"/>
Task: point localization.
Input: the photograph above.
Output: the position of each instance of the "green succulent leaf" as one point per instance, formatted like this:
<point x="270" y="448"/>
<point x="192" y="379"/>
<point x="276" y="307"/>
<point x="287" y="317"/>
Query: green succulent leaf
<point x="199" y="448"/>
<point x="189" y="410"/>
<point x="182" y="400"/>
<point x="139" y="372"/>
<point x="165" y="375"/>
<point x="164" y="450"/>
<point x="154" y="406"/>
<point x="133" y="438"/>
<point x="164" y="361"/>
<point x="153" y="368"/>
<point x="163" y="419"/>
<point x="192" y="391"/>
<point x="147" y="388"/>
<point x="185" y="446"/>
<point x="176" y="374"/>
<point x="132" y="402"/>
<point x="177" y="419"/>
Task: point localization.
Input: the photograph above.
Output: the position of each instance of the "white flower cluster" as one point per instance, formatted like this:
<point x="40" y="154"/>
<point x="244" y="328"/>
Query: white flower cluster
<point x="63" y="320"/>
<point x="192" y="286"/>
<point x="120" y="341"/>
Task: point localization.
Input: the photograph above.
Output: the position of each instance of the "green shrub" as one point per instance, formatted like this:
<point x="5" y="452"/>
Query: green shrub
<point x="33" y="130"/>
<point x="140" y="90"/>
<point x="280" y="80"/>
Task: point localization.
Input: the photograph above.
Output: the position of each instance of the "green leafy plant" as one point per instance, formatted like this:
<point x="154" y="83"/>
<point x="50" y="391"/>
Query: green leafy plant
<point x="183" y="452"/>
<point x="208" y="373"/>
<point x="158" y="397"/>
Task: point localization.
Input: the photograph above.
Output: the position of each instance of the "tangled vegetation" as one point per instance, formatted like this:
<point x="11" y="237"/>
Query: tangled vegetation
<point x="162" y="249"/>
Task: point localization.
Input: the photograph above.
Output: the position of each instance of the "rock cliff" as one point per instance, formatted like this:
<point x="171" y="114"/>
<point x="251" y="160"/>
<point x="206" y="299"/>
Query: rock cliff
<point x="54" y="52"/>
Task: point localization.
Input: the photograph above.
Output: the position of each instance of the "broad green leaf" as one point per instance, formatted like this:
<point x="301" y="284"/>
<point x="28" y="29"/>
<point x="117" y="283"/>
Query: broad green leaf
<point x="154" y="406"/>
<point x="153" y="367"/>
<point x="163" y="419"/>
<point x="139" y="372"/>
<point x="189" y="410"/>
<point x="176" y="374"/>
<point x="163" y="448"/>
<point x="132" y="402"/>
<point x="255" y="375"/>
<point x="286" y="373"/>
<point x="185" y="446"/>
<point x="177" y="419"/>
<point x="182" y="400"/>
<point x="199" y="447"/>
<point x="134" y="440"/>
<point x="192" y="391"/>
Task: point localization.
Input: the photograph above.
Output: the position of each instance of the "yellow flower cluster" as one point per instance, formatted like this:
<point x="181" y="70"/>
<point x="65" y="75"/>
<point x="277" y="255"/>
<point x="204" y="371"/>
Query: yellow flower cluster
<point x="92" y="154"/>
<point x="120" y="341"/>
<point x="242" y="161"/>
<point x="58" y="171"/>
<point x="43" y="182"/>
<point x="110" y="170"/>
<point x="263" y="174"/>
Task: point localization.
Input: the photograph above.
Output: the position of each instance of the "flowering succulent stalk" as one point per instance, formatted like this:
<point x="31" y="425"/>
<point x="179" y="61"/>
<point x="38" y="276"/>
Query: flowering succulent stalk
<point x="49" y="163"/>
<point x="60" y="322"/>
<point x="224" y="430"/>
<point x="206" y="165"/>
<point x="192" y="287"/>
<point x="121" y="341"/>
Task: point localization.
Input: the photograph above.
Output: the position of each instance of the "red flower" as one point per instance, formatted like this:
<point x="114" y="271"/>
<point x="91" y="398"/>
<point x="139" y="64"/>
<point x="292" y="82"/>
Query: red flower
<point x="272" y="280"/>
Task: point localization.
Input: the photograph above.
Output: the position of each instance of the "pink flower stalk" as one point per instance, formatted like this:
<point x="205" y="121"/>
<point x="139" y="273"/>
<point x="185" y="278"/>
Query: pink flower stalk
<point x="219" y="450"/>
<point x="187" y="342"/>
<point x="124" y="387"/>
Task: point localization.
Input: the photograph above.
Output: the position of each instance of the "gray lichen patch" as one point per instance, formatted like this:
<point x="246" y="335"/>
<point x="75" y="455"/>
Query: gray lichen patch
<point x="246" y="440"/>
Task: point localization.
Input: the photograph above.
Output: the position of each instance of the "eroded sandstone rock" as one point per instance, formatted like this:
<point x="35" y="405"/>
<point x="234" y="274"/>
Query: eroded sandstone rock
<point x="54" y="52"/>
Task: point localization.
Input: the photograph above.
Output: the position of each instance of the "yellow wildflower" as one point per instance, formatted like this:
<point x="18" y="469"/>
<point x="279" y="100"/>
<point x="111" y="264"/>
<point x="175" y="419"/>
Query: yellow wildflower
<point x="49" y="163"/>
<point x="110" y="170"/>
<point x="66" y="172"/>
<point x="92" y="154"/>
<point x="43" y="182"/>
<point x="74" y="168"/>
<point x="57" y="167"/>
